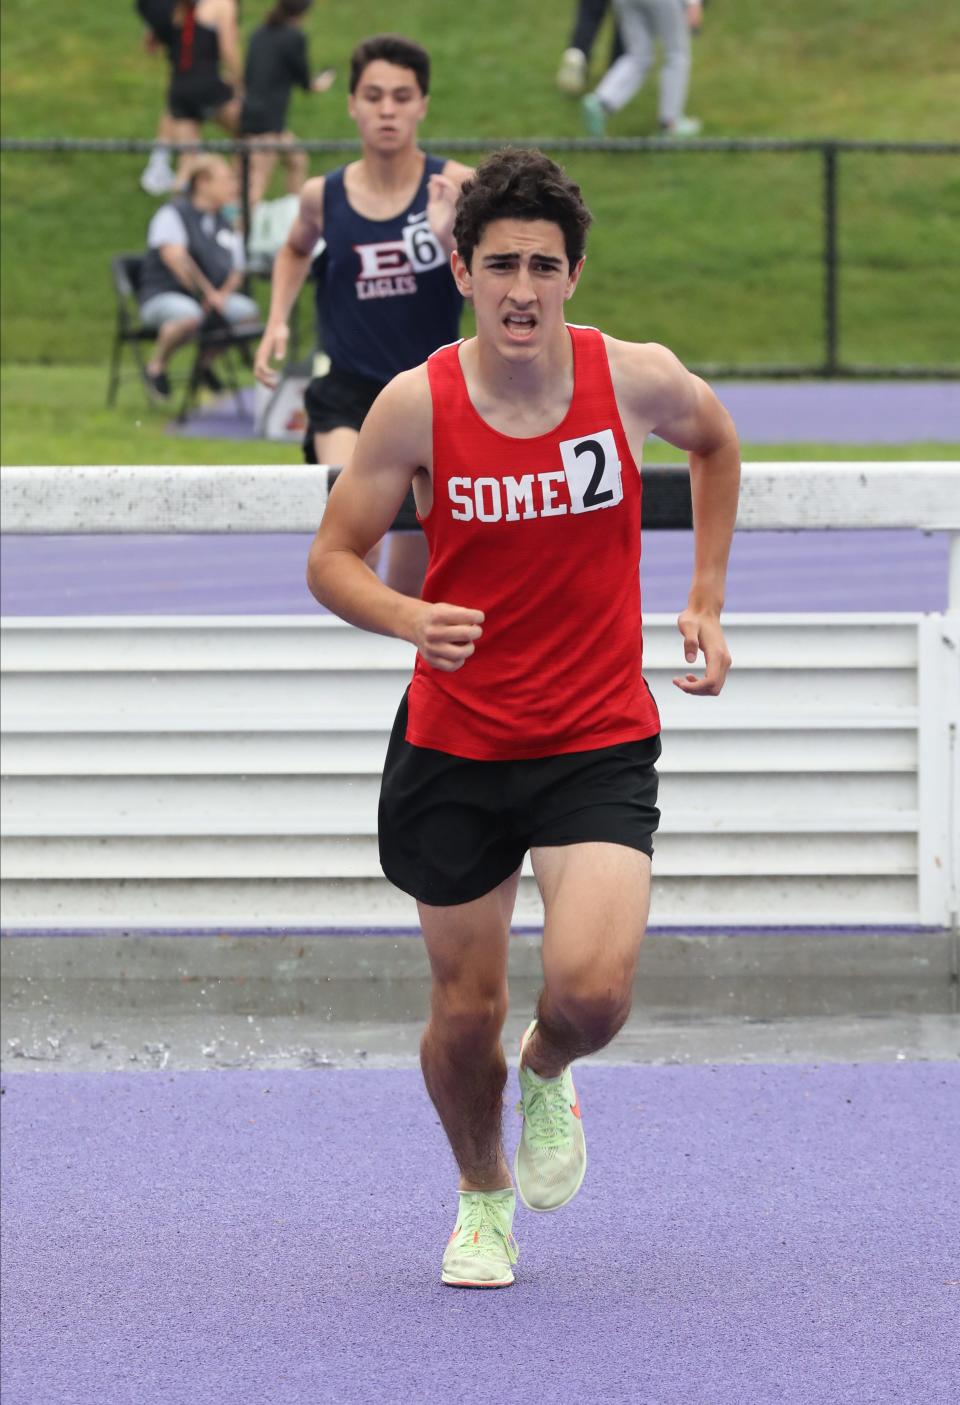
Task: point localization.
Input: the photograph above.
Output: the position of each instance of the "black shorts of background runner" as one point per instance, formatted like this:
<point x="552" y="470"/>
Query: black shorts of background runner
<point x="196" y="100"/>
<point x="338" y="400"/>
<point x="452" y="829"/>
<point x="257" y="120"/>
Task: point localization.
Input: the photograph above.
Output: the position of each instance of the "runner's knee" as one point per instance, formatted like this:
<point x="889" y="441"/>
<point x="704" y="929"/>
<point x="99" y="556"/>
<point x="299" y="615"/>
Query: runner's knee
<point x="296" y="165"/>
<point x="594" y="1009"/>
<point x="469" y="1018"/>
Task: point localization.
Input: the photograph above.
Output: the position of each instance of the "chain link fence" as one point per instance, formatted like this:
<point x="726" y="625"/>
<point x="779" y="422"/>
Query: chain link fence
<point x="753" y="258"/>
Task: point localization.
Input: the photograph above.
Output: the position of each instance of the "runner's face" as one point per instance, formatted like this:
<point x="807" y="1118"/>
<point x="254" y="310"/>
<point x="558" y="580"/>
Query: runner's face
<point x="518" y="283"/>
<point x="387" y="106"/>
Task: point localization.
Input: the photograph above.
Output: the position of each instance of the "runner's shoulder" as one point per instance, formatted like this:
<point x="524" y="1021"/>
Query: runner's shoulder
<point x="403" y="412"/>
<point x="311" y="197"/>
<point x="457" y="172"/>
<point x="409" y="389"/>
<point x="643" y="373"/>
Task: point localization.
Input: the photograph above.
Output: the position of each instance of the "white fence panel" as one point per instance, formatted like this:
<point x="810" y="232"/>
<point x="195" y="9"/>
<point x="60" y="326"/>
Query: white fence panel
<point x="206" y="772"/>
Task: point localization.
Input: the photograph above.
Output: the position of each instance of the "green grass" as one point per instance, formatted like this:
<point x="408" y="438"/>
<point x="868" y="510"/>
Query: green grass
<point x="719" y="256"/>
<point x="55" y="415"/>
<point x="840" y="68"/>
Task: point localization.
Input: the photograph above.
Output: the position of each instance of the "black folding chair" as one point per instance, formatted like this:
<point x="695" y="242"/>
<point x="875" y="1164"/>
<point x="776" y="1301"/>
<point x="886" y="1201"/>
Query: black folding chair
<point x="215" y="335"/>
<point x="222" y="337"/>
<point x="125" y="270"/>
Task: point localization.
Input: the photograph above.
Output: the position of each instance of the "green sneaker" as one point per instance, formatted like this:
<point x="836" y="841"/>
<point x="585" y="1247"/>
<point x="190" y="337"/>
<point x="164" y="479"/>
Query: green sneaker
<point x="551" y="1159"/>
<point x="481" y="1249"/>
<point x="594" y="116"/>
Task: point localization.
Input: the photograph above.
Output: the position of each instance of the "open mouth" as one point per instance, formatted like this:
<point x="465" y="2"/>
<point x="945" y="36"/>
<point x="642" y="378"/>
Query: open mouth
<point x="520" y="325"/>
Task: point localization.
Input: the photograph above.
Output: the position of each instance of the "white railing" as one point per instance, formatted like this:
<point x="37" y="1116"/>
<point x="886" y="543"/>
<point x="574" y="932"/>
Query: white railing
<point x="223" y="772"/>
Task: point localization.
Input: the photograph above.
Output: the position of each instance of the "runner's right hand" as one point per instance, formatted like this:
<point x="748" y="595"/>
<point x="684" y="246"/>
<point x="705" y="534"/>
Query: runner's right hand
<point x="273" y="347"/>
<point x="445" y="634"/>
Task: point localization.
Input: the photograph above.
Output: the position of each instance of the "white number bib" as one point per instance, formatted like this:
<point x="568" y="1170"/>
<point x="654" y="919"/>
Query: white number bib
<point x="421" y="245"/>
<point x="592" y="466"/>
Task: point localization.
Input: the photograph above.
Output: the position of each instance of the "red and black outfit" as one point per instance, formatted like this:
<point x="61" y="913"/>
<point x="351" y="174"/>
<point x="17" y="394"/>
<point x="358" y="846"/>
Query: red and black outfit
<point x="548" y="734"/>
<point x="197" y="90"/>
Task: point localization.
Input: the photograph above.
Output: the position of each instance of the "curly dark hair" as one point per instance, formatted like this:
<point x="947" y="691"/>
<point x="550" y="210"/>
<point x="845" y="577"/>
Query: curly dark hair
<point x="395" y="49"/>
<point x="516" y="184"/>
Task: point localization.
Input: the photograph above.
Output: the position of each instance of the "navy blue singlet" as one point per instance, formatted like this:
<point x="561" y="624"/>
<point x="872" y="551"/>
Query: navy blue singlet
<point x="386" y="298"/>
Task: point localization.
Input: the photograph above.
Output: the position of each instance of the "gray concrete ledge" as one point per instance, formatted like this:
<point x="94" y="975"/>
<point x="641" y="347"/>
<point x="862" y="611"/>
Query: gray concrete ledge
<point x="104" y="1003"/>
<point x="930" y="957"/>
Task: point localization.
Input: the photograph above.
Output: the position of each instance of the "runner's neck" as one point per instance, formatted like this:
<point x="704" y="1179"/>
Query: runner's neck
<point x="533" y="396"/>
<point x="383" y="185"/>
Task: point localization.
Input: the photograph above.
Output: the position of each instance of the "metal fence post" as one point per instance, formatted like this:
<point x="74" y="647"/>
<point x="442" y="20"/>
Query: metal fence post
<point x="830" y="259"/>
<point x="245" y="195"/>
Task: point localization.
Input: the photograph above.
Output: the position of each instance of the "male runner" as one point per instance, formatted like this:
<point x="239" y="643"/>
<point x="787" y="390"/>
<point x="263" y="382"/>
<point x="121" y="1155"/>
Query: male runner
<point x="528" y="724"/>
<point x="385" y="294"/>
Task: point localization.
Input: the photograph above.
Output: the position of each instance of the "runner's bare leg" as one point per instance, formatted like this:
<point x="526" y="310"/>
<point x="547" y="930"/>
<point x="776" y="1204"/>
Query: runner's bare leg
<point x="596" y="900"/>
<point x="461" y="1054"/>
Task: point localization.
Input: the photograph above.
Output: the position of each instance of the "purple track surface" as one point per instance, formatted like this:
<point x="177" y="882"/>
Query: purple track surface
<point x="201" y="575"/>
<point x="765" y="412"/>
<point x="745" y="1234"/>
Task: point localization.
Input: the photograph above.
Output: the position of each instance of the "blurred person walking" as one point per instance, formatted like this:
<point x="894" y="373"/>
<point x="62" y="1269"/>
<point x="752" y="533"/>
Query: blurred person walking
<point x="386" y="297"/>
<point x="572" y="73"/>
<point x="204" y="46"/>
<point x="642" y="24"/>
<point x="157" y="177"/>
<point x="277" y="61"/>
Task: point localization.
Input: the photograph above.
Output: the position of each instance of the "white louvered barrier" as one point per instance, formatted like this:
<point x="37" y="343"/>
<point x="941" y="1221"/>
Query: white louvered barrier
<point x="223" y="772"/>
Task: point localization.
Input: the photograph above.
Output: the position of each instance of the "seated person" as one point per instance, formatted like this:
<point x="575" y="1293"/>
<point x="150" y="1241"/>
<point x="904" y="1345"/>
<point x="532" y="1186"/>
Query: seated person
<point x="193" y="269"/>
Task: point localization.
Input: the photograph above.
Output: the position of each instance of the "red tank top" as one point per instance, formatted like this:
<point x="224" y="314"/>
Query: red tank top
<point x="543" y="535"/>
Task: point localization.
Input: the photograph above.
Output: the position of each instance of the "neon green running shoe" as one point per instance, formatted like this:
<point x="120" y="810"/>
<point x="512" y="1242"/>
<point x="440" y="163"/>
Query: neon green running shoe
<point x="594" y="116"/>
<point x="551" y="1159"/>
<point x="481" y="1249"/>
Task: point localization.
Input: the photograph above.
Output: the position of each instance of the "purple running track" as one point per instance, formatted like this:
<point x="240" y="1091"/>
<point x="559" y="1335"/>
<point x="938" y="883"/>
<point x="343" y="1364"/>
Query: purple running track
<point x="764" y="1234"/>
<point x="208" y="575"/>
<point x="765" y="412"/>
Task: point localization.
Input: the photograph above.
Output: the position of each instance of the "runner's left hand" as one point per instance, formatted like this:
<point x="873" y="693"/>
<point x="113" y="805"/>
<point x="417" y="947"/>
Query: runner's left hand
<point x="441" y="208"/>
<point x="702" y="634"/>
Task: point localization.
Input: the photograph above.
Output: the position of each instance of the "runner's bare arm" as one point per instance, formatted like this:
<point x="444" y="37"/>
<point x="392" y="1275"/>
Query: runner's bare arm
<point x="290" y="270"/>
<point x="394" y="443"/>
<point x="682" y="409"/>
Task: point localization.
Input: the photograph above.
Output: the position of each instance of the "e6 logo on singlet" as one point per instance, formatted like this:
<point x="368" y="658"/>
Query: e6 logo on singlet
<point x="591" y="468"/>
<point x="390" y="267"/>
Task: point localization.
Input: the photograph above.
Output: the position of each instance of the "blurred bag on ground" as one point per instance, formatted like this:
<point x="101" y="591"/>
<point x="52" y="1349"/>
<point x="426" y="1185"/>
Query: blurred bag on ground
<point x="270" y="225"/>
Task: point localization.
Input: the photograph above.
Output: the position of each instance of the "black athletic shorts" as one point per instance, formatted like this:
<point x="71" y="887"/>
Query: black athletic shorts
<point x="256" y="118"/>
<point x="338" y="400"/>
<point x="197" y="101"/>
<point x="452" y="829"/>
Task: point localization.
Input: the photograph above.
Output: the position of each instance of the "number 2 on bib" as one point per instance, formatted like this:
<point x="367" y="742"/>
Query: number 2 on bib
<point x="592" y="467"/>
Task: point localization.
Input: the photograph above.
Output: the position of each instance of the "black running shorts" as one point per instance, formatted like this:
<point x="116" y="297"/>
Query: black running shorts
<point x="197" y="100"/>
<point x="338" y="400"/>
<point x="452" y="829"/>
